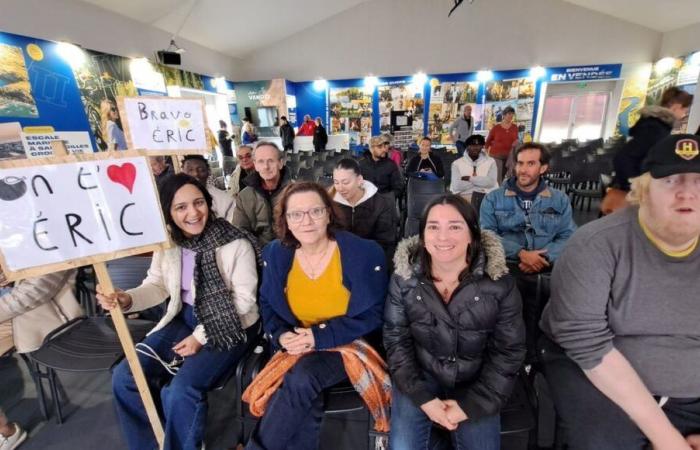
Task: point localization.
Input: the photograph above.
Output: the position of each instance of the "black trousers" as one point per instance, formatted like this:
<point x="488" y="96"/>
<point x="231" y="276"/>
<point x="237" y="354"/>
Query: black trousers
<point x="589" y="420"/>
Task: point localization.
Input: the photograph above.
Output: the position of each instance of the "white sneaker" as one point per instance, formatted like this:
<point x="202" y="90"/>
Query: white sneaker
<point x="14" y="441"/>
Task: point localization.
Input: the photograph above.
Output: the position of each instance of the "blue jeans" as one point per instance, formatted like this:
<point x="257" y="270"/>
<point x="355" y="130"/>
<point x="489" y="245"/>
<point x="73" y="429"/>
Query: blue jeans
<point x="183" y="399"/>
<point x="292" y="419"/>
<point x="411" y="428"/>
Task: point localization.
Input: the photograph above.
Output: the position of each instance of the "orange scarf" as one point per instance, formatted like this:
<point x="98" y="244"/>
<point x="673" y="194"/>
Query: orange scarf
<point x="363" y="365"/>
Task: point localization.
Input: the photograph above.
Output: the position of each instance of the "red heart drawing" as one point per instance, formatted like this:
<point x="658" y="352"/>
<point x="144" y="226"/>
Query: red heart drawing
<point x="124" y="175"/>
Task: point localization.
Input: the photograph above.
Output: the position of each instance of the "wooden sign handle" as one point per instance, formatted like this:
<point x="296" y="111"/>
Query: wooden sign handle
<point x="59" y="149"/>
<point x="130" y="353"/>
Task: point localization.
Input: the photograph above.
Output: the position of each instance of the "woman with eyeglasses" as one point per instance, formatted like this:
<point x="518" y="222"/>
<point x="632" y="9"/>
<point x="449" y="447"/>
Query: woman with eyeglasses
<point x="211" y="278"/>
<point x="321" y="289"/>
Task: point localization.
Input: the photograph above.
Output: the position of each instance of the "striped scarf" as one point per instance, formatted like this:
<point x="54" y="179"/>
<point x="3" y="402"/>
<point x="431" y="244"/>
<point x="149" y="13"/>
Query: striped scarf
<point x="363" y="365"/>
<point x="214" y="308"/>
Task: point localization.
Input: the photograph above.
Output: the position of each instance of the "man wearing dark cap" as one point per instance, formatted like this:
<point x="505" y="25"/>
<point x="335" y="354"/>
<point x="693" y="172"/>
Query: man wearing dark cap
<point x="624" y="315"/>
<point x="474" y="174"/>
<point x="379" y="169"/>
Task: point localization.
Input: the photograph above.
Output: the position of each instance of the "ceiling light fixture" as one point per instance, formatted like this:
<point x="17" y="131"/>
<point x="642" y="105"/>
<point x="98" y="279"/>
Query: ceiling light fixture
<point x="371" y="82"/>
<point x="537" y="72"/>
<point x="484" y="75"/>
<point x="320" y="84"/>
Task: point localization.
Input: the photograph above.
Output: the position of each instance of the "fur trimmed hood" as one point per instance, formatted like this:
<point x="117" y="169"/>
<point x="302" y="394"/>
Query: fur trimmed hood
<point x="491" y="261"/>
<point x="658" y="112"/>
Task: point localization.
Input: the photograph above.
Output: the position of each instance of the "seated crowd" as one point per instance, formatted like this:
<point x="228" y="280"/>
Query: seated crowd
<point x="431" y="330"/>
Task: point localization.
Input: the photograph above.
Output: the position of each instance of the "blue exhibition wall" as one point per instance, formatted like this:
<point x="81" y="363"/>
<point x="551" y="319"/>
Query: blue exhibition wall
<point x="51" y="96"/>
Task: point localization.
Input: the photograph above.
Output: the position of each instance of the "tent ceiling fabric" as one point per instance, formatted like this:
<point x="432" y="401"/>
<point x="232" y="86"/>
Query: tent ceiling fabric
<point x="233" y="27"/>
<point x="659" y="15"/>
<point x="240" y="27"/>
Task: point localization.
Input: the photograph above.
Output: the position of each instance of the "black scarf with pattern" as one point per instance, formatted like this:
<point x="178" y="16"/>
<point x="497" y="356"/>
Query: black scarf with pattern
<point x="213" y="306"/>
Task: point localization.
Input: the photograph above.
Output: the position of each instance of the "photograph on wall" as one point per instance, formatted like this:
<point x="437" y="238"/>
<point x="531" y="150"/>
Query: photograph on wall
<point x="401" y="96"/>
<point x="101" y="79"/>
<point x="633" y="94"/>
<point x="664" y="74"/>
<point x="518" y="93"/>
<point x="182" y="78"/>
<point x="16" y="99"/>
<point x="11" y="141"/>
<point x="351" y="112"/>
<point x="447" y="101"/>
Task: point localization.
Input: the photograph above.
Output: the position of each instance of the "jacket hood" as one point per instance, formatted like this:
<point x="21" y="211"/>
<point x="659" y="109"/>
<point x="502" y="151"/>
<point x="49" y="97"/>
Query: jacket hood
<point x="658" y="112"/>
<point x="370" y="190"/>
<point x="491" y="260"/>
<point x="482" y="157"/>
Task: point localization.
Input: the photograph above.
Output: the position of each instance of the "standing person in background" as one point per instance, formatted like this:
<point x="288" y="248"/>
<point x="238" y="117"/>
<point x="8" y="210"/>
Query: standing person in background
<point x="248" y="133"/>
<point x="654" y="124"/>
<point x="224" y="140"/>
<point x="307" y="128"/>
<point x="462" y="128"/>
<point x="111" y="126"/>
<point x="501" y="140"/>
<point x="287" y="135"/>
<point x="320" y="136"/>
<point x="425" y="161"/>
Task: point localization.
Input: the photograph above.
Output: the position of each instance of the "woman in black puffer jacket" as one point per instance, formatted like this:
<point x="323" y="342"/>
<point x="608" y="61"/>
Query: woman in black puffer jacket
<point x="453" y="330"/>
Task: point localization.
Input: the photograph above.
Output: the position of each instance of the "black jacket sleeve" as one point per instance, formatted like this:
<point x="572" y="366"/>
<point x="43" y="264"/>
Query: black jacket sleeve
<point x="384" y="231"/>
<point x="405" y="372"/>
<point x="439" y="167"/>
<point x="412" y="166"/>
<point x="628" y="160"/>
<point x="505" y="353"/>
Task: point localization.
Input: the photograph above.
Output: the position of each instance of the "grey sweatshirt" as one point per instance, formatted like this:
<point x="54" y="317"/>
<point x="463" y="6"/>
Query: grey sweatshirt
<point x="611" y="287"/>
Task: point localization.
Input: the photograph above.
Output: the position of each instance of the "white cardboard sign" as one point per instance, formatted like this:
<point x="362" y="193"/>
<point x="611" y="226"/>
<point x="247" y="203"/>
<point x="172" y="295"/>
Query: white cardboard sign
<point x="60" y="212"/>
<point x="39" y="145"/>
<point x="163" y="124"/>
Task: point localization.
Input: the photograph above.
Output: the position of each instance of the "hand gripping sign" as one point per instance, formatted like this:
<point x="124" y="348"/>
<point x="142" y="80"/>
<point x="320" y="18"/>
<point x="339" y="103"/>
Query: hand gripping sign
<point x="67" y="211"/>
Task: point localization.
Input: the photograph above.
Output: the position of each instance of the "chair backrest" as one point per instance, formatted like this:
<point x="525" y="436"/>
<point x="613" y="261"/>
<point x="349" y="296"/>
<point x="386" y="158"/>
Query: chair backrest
<point x="305" y="174"/>
<point x="129" y="272"/>
<point x="420" y="193"/>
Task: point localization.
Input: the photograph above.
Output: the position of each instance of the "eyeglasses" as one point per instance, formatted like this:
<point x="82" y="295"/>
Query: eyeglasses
<point x="386" y="143"/>
<point x="245" y="156"/>
<point x="315" y="214"/>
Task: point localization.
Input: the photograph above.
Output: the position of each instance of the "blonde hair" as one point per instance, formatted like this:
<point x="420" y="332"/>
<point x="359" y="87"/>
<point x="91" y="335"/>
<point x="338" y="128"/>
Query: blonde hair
<point x="639" y="189"/>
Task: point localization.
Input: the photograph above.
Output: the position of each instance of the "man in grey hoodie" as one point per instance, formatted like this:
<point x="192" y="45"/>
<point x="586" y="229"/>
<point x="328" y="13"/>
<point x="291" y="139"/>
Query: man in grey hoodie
<point x="624" y="315"/>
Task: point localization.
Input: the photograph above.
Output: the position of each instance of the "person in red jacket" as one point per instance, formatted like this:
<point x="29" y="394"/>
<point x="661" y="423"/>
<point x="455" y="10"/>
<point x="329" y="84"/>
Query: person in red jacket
<point x="308" y="127"/>
<point x="501" y="140"/>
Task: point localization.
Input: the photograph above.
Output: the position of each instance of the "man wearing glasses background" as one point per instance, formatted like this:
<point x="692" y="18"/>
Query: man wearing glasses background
<point x="243" y="170"/>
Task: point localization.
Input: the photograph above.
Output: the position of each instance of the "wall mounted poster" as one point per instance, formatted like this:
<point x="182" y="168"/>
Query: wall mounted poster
<point x="16" y="98"/>
<point x="351" y="113"/>
<point x="401" y="95"/>
<point x="165" y="125"/>
<point x="38" y="144"/>
<point x="101" y="79"/>
<point x="78" y="211"/>
<point x="447" y="100"/>
<point x="11" y="141"/>
<point x="517" y="93"/>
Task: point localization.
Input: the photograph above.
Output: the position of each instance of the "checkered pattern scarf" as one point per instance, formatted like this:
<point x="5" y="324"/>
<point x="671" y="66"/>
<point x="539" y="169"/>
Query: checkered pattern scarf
<point x="366" y="370"/>
<point x="213" y="307"/>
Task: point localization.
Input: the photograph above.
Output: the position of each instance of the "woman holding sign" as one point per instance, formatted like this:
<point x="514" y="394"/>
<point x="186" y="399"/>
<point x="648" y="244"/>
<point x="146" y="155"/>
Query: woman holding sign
<point x="209" y="323"/>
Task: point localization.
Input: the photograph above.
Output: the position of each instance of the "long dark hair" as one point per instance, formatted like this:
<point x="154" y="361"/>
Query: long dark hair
<point x="468" y="213"/>
<point x="167" y="192"/>
<point x="283" y="232"/>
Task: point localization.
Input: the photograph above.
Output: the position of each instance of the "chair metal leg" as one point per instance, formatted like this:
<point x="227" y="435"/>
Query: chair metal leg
<point x="35" y="372"/>
<point x="55" y="395"/>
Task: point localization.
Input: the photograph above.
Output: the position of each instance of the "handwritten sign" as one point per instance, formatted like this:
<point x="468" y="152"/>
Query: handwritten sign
<point x="76" y="210"/>
<point x="39" y="145"/>
<point x="163" y="124"/>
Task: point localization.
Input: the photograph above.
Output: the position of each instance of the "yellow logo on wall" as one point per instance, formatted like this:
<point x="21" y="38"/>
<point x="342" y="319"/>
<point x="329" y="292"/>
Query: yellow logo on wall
<point x="35" y="52"/>
<point x="687" y="149"/>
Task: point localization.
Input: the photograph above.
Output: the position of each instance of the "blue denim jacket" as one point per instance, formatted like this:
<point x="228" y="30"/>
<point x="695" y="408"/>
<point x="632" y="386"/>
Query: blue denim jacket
<point x="550" y="217"/>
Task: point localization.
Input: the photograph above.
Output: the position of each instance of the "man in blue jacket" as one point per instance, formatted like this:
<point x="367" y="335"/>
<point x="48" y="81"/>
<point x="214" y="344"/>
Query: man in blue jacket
<point x="534" y="222"/>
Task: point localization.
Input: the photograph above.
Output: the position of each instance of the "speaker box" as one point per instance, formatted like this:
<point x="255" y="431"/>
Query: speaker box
<point x="171" y="58"/>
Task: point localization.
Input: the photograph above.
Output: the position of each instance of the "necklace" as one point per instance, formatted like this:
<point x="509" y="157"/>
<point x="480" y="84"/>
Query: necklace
<point x="313" y="267"/>
<point x="447" y="289"/>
